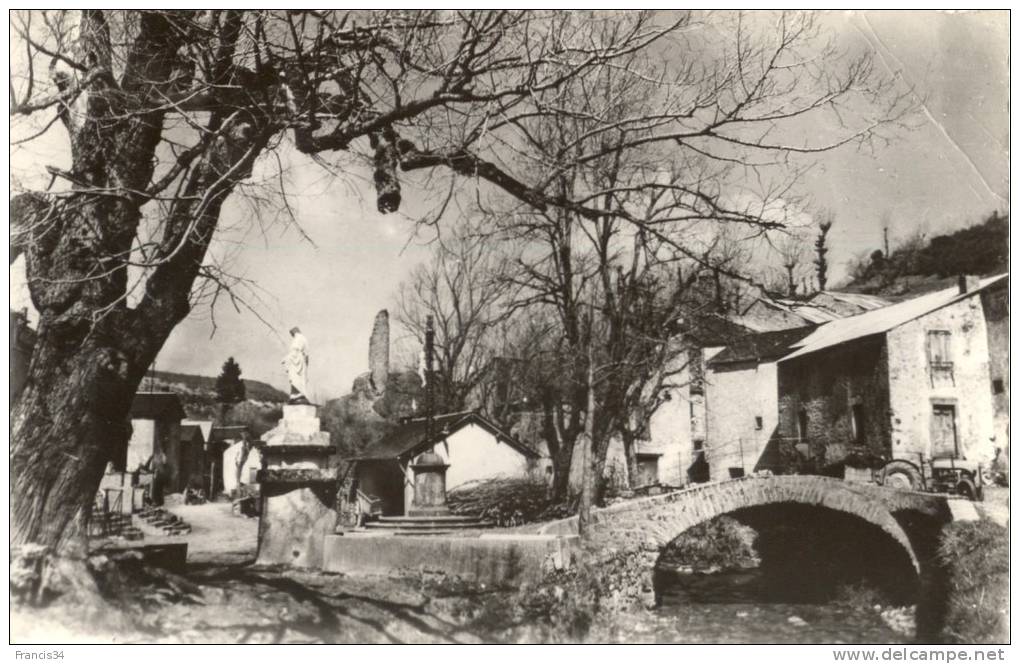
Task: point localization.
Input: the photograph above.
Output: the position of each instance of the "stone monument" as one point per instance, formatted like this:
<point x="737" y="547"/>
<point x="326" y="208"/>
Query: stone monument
<point x="429" y="486"/>
<point x="379" y="352"/>
<point x="298" y="483"/>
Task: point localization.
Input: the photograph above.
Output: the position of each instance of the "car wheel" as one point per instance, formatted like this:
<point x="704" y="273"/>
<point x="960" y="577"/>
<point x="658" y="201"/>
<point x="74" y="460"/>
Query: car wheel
<point x="902" y="476"/>
<point x="966" y="489"/>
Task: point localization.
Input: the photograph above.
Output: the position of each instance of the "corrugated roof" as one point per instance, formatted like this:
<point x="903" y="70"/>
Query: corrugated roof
<point x="762" y="346"/>
<point x="409" y="437"/>
<point x="879" y="321"/>
<point x="862" y="300"/>
<point x="812" y="313"/>
<point x="156" y="405"/>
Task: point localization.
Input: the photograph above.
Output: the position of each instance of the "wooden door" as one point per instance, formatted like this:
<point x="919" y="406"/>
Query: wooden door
<point x="943" y="431"/>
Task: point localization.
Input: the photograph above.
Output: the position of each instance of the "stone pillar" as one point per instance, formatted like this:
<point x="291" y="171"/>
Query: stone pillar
<point x="298" y="490"/>
<point x="379" y="352"/>
<point x="429" y="486"/>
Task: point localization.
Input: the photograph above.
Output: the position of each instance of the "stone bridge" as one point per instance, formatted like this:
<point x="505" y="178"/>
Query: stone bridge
<point x="639" y="529"/>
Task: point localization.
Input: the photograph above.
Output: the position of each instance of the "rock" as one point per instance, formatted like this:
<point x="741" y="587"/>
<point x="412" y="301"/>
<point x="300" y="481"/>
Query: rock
<point x="797" y="621"/>
<point x="379" y="351"/>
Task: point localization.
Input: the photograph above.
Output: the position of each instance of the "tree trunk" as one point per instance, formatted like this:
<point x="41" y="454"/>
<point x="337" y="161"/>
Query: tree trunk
<point x="561" y="471"/>
<point x="630" y="451"/>
<point x="71" y="416"/>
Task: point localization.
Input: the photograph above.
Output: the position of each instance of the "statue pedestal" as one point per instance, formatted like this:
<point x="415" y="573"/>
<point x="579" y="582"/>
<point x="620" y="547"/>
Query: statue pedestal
<point x="298" y="490"/>
<point x="429" y="486"/>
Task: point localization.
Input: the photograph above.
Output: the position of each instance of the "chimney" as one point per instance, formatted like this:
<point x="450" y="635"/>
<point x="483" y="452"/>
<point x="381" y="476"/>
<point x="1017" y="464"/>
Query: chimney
<point x="967" y="283"/>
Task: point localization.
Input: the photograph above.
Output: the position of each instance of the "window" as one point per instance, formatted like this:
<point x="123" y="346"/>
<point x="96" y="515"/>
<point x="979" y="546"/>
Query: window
<point x="998" y="387"/>
<point x="802" y="425"/>
<point x="736" y="472"/>
<point x="759" y="423"/>
<point x="857" y="422"/>
<point x="939" y="354"/>
<point x="698" y="444"/>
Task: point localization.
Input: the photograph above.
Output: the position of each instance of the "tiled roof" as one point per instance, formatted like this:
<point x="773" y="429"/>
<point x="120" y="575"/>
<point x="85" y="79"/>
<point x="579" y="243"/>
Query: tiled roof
<point x="882" y="320"/>
<point x="761" y="346"/>
<point x="409" y="437"/>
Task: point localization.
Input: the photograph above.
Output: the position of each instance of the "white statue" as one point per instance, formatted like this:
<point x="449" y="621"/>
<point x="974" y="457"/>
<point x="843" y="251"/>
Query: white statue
<point x="296" y="364"/>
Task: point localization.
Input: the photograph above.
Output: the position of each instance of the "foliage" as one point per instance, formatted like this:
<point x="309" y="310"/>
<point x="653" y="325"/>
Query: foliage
<point x="503" y="501"/>
<point x="975" y="558"/>
<point x="229" y="386"/>
<point x="980" y="249"/>
<point x="722" y="542"/>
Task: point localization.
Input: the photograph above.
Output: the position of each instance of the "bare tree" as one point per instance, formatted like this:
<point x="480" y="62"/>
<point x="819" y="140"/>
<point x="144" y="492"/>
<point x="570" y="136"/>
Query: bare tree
<point x="463" y="290"/>
<point x="825" y="222"/>
<point x="659" y="160"/>
<point x="169" y="113"/>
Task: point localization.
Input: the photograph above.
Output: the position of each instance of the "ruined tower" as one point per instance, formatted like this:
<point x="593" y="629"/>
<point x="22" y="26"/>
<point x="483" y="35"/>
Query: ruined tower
<point x="379" y="352"/>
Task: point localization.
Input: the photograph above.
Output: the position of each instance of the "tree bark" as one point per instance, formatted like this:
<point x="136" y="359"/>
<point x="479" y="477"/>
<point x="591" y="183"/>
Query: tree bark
<point x="70" y="418"/>
<point x="630" y="451"/>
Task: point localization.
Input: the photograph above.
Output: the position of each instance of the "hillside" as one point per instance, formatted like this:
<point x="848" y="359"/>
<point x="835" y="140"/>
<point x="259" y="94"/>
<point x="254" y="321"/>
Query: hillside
<point x="206" y="385"/>
<point x="921" y="266"/>
<point x="261" y="410"/>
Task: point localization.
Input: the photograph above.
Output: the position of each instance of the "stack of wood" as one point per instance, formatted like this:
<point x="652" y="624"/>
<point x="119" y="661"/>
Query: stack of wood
<point x="504" y="501"/>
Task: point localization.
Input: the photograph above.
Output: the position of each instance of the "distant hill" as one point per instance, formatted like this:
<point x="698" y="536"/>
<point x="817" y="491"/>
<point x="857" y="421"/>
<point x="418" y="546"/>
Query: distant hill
<point x="180" y="382"/>
<point x="922" y="266"/>
<point x="260" y="411"/>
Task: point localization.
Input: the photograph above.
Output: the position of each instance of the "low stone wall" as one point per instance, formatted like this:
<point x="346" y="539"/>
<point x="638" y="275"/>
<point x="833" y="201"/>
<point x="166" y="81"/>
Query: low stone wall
<point x="490" y="558"/>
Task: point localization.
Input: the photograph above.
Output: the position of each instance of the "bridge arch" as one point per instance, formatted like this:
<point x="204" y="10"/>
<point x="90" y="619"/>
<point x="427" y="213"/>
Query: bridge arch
<point x="640" y="529"/>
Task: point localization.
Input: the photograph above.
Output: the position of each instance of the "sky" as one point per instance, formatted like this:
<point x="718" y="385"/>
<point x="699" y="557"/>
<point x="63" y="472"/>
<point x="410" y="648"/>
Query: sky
<point x="346" y="262"/>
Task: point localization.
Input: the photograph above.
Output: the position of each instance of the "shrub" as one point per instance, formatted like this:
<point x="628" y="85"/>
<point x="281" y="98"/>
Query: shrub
<point x="975" y="558"/>
<point x="504" y="501"/>
<point x="720" y="542"/>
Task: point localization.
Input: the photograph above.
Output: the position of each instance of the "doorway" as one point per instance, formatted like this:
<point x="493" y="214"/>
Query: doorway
<point x="943" y="431"/>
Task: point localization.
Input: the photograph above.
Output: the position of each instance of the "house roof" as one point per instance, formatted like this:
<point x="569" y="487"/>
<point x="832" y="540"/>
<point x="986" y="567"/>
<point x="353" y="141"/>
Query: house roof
<point x="192" y="432"/>
<point x="223" y="434"/>
<point x="409" y="438"/>
<point x="860" y="300"/>
<point x="879" y="321"/>
<point x="156" y="406"/>
<point x="761" y="346"/>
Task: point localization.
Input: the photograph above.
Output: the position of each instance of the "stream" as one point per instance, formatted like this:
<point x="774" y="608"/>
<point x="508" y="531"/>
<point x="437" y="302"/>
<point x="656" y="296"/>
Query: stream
<point x="743" y="606"/>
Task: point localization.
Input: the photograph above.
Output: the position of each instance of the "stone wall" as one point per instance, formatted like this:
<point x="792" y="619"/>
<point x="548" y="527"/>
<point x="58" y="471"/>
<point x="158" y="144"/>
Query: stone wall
<point x="913" y="389"/>
<point x="627" y="538"/>
<point x="995" y="303"/>
<point x="826" y="386"/>
<point x="737" y="394"/>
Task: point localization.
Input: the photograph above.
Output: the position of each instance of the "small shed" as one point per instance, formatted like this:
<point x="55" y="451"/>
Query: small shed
<point x="474" y="447"/>
<point x="220" y="440"/>
<point x="155" y="442"/>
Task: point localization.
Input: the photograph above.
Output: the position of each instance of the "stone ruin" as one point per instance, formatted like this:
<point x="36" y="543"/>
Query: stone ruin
<point x="379" y="352"/>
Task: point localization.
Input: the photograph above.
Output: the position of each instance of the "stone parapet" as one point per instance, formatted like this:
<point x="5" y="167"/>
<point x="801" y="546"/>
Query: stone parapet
<point x="510" y="558"/>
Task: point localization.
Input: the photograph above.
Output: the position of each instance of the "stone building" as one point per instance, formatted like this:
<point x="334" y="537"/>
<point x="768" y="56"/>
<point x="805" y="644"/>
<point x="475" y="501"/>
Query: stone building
<point x="155" y="442"/>
<point x="741" y="391"/>
<point x="474" y="447"/>
<point x="912" y="381"/>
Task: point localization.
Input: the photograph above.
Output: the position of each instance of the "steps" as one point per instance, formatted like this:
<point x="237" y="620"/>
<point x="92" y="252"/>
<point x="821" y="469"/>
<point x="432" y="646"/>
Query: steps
<point x="425" y="525"/>
<point x="164" y="521"/>
<point x="114" y="524"/>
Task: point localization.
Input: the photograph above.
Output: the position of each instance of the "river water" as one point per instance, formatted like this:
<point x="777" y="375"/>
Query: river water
<point x="744" y="607"/>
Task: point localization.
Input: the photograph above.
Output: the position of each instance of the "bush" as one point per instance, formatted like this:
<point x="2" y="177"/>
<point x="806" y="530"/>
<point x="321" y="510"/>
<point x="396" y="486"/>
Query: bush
<point x="504" y="501"/>
<point x="721" y="542"/>
<point x="975" y="558"/>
